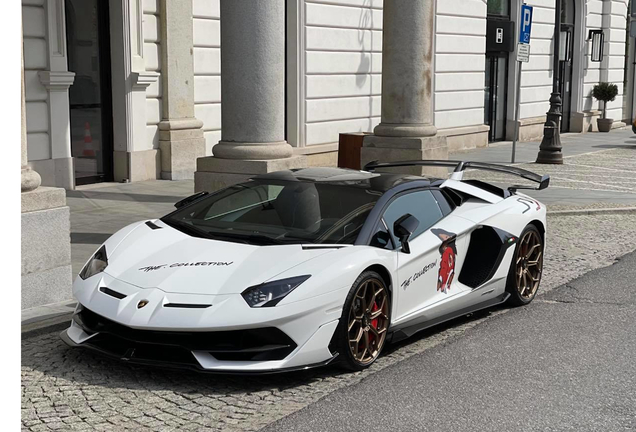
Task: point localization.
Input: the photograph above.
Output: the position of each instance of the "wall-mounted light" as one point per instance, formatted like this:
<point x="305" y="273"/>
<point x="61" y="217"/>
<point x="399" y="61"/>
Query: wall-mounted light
<point x="596" y="37"/>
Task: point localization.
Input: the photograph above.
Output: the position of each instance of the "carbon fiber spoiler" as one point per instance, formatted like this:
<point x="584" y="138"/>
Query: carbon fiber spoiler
<point x="461" y="166"/>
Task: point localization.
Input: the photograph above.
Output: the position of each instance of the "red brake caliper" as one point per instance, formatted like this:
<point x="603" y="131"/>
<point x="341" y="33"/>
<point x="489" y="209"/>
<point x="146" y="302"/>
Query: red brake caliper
<point x="374" y="322"/>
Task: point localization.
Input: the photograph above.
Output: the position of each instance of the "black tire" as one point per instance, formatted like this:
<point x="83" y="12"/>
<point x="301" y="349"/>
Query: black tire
<point x="529" y="257"/>
<point x="341" y="338"/>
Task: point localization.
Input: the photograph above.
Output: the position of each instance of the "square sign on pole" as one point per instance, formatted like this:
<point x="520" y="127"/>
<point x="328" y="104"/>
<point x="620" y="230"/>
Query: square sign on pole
<point x="526" y="24"/>
<point x="523" y="53"/>
<point x="523" y="56"/>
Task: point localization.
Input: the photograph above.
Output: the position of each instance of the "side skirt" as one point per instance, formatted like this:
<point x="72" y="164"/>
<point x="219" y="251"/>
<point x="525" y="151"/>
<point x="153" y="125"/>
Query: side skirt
<point x="409" y="331"/>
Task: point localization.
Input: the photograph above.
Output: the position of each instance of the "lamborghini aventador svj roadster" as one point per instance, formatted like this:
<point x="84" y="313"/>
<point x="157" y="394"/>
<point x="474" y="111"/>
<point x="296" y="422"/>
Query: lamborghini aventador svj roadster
<point x="302" y="268"/>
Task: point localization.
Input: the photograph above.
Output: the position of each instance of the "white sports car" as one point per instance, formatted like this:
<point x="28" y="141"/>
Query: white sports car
<point x="297" y="269"/>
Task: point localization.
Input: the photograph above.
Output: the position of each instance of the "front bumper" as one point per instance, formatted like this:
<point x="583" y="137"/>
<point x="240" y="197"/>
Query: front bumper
<point x="171" y="355"/>
<point x="228" y="336"/>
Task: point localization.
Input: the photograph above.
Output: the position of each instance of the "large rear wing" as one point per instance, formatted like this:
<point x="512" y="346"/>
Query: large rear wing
<point x="461" y="166"/>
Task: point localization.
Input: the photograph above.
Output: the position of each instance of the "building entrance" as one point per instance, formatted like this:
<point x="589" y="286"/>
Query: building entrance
<point x="90" y="96"/>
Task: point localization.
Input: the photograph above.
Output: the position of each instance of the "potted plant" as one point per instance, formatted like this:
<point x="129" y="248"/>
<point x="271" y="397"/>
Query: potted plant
<point x="605" y="92"/>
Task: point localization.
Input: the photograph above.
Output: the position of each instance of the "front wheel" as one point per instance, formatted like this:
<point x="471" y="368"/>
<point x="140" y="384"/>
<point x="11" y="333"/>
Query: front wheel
<point x="526" y="268"/>
<point x="363" y="326"/>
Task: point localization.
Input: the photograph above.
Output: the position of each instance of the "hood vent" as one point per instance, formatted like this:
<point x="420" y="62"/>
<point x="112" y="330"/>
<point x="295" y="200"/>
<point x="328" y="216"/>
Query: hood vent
<point x="152" y="225"/>
<point x="187" y="305"/>
<point x="112" y="293"/>
<point x="320" y="246"/>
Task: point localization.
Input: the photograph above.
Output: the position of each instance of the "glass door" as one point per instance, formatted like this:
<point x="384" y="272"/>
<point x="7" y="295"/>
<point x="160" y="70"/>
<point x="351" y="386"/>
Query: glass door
<point x="566" y="51"/>
<point x="495" y="97"/>
<point x="87" y="35"/>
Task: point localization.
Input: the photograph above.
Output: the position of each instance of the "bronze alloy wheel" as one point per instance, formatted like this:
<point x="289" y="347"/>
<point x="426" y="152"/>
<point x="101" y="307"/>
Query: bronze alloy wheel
<point x="368" y="321"/>
<point x="529" y="264"/>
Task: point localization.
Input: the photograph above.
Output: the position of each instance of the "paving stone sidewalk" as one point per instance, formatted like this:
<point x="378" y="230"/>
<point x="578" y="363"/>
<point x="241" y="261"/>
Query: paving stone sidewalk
<point x="69" y="389"/>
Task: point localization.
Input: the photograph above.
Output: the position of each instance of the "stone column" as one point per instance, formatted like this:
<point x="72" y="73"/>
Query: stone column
<point x="253" y="96"/>
<point x="180" y="135"/>
<point x="45" y="238"/>
<point x="406" y="131"/>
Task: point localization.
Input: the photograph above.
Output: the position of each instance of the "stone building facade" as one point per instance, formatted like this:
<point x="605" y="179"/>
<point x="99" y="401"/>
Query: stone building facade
<point x="218" y="90"/>
<point x="131" y="89"/>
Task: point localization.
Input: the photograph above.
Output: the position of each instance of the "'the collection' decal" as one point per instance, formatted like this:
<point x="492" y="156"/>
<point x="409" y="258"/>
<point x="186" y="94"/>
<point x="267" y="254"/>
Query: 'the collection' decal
<point x="191" y="264"/>
<point x="422" y="272"/>
<point x="447" y="263"/>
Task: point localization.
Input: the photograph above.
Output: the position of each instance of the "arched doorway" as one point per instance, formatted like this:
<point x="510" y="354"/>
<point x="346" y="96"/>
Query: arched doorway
<point x="566" y="56"/>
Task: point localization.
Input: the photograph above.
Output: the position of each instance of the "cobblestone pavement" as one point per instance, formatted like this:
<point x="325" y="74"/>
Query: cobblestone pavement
<point x="71" y="389"/>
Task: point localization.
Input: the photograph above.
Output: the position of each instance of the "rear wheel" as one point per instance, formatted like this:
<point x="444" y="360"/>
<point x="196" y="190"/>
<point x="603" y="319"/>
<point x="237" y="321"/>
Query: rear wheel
<point x="526" y="268"/>
<point x="363" y="326"/>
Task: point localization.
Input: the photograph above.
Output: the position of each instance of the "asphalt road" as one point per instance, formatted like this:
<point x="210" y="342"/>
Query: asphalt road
<point x="567" y="362"/>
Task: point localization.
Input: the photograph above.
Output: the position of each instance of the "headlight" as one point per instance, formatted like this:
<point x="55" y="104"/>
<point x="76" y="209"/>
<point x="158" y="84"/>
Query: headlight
<point x="96" y="264"/>
<point x="270" y="293"/>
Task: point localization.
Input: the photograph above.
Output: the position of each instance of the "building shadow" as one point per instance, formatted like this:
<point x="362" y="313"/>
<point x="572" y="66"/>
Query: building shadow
<point x="122" y="196"/>
<point x="89" y="238"/>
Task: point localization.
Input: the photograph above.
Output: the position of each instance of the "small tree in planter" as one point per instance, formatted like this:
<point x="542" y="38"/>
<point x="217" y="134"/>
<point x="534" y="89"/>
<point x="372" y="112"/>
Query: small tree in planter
<point x="605" y="92"/>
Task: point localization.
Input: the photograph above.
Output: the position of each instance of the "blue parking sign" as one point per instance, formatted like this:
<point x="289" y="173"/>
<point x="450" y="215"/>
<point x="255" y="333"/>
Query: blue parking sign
<point x="525" y="24"/>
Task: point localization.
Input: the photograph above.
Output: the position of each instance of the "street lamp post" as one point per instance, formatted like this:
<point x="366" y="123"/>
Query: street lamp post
<point x="550" y="148"/>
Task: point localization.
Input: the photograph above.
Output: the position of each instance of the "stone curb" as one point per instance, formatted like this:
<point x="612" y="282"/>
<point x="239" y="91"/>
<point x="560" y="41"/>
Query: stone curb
<point x="46" y="318"/>
<point x="593" y="211"/>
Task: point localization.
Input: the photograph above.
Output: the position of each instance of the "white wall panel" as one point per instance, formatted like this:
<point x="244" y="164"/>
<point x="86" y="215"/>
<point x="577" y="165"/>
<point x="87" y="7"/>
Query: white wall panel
<point x="38" y="147"/>
<point x="207" y="61"/>
<point x="152" y="59"/>
<point x="36" y="55"/>
<point x="342" y="65"/>
<point x="326" y="132"/>
<point x="206" y="9"/>
<point x="459" y="118"/>
<point x="37" y="115"/>
<point x="324" y="86"/>
<point x="459" y="81"/>
<point x="326" y="15"/>
<point x="34" y="89"/>
<point x="207" y="69"/>
<point x="337" y="39"/>
<point x="459" y="100"/>
<point x="343" y="62"/>
<point x="460" y="60"/>
<point x="342" y="108"/>
<point x="207" y="89"/>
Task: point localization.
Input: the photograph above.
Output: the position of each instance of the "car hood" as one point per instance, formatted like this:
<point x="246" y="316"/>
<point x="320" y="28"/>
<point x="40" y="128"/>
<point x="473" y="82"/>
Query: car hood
<point x="172" y="261"/>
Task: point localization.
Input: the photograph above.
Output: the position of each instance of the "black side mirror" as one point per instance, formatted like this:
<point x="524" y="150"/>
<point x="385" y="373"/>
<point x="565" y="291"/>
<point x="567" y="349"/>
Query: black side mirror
<point x="190" y="199"/>
<point x="403" y="228"/>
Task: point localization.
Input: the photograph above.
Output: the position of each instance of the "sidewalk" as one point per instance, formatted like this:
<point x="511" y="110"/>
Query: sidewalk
<point x="599" y="172"/>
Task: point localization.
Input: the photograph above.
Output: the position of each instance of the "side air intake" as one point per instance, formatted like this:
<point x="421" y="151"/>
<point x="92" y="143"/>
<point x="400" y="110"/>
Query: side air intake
<point x="485" y="252"/>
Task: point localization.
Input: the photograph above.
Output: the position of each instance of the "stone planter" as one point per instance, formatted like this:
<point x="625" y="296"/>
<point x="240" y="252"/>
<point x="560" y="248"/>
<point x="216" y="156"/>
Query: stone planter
<point x="604" y="125"/>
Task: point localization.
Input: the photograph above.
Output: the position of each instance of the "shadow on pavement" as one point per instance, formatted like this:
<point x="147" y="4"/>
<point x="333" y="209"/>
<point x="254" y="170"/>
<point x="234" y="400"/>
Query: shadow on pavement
<point x="612" y="146"/>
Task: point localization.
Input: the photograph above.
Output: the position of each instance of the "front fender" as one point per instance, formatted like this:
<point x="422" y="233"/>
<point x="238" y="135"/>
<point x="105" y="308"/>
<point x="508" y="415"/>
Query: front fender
<point x="337" y="270"/>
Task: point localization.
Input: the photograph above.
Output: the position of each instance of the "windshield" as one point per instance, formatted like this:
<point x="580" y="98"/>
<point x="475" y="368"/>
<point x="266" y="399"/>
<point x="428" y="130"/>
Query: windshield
<point x="278" y="212"/>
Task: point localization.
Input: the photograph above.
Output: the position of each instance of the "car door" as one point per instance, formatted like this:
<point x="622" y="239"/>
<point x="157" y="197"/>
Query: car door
<point x="427" y="275"/>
